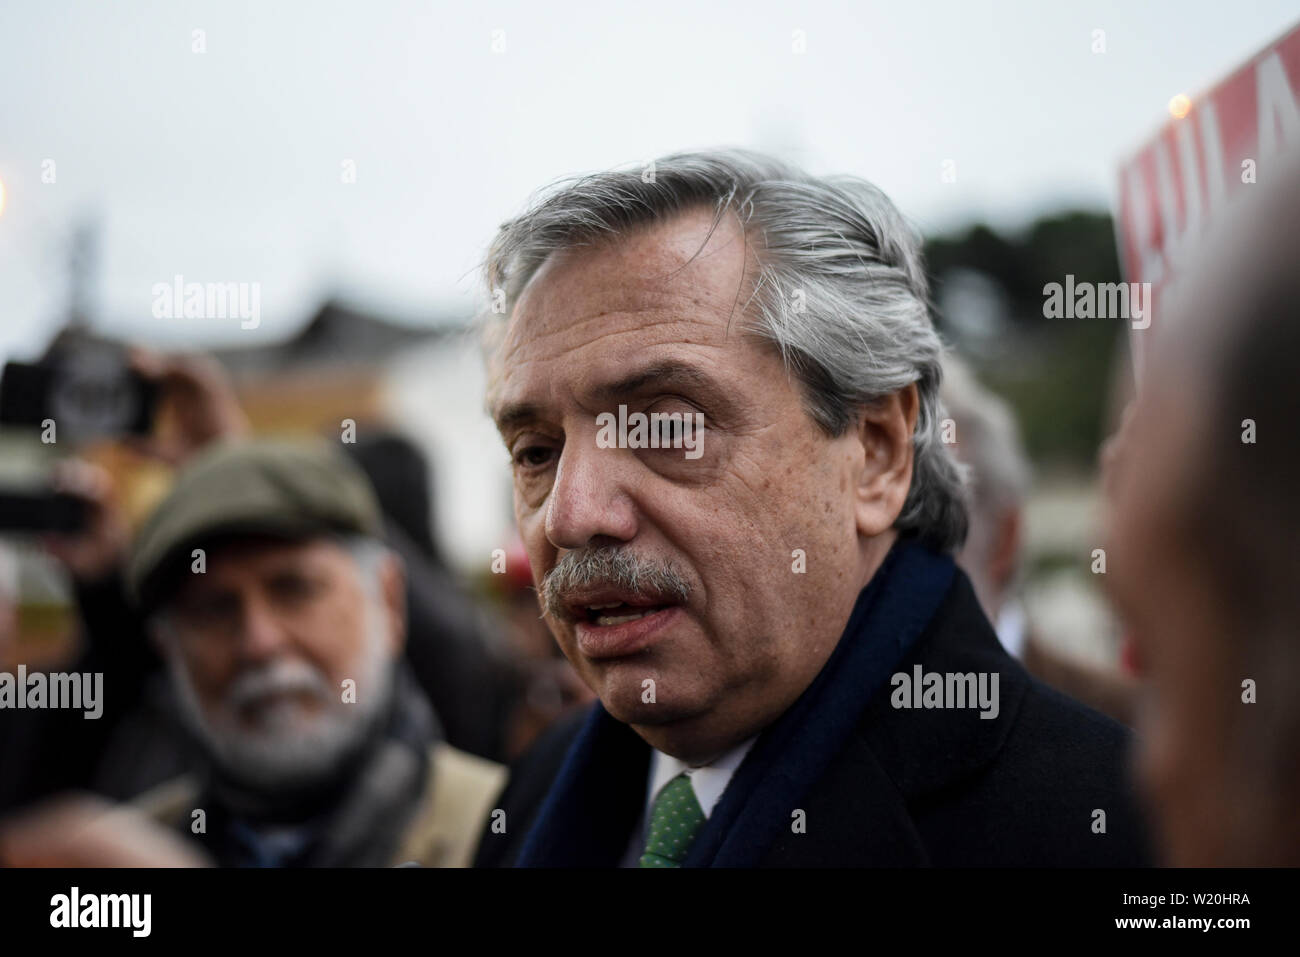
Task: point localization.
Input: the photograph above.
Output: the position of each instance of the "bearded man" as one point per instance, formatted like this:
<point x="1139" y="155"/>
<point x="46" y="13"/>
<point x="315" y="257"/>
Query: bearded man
<point x="281" y="615"/>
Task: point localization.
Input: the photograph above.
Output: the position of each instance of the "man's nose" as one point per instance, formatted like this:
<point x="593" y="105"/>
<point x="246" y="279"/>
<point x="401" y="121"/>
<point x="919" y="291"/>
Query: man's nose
<point x="589" y="500"/>
<point x="262" y="634"/>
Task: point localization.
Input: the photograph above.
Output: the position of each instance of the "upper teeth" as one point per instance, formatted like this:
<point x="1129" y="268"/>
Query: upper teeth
<point x="606" y="620"/>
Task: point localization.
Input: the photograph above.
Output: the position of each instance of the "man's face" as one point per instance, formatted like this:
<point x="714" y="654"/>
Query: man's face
<point x="1167" y="601"/>
<point x="654" y="322"/>
<point x="263" y="641"/>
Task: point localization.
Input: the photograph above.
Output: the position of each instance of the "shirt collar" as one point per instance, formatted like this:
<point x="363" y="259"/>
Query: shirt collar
<point x="708" y="781"/>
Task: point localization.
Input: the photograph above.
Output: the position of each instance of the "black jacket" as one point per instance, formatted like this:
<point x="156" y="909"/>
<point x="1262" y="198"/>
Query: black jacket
<point x="897" y="787"/>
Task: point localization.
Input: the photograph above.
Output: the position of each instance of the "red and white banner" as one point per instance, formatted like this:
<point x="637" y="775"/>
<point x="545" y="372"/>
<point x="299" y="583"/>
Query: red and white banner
<point x="1181" y="179"/>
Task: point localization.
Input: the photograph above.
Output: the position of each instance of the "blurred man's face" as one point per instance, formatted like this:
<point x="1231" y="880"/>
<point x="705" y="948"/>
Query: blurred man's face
<point x="1169" y="605"/>
<point x="990" y="555"/>
<point x="262" y="643"/>
<point x="711" y="633"/>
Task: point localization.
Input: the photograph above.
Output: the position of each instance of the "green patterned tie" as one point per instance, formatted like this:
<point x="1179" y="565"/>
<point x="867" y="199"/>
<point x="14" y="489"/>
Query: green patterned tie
<point x="675" y="819"/>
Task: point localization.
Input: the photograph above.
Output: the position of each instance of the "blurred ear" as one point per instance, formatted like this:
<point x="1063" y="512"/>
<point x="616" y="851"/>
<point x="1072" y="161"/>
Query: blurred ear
<point x="885" y="429"/>
<point x="392" y="591"/>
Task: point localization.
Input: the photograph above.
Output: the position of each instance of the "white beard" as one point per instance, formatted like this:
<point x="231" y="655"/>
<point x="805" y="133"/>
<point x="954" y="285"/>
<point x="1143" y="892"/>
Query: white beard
<point x="290" y="745"/>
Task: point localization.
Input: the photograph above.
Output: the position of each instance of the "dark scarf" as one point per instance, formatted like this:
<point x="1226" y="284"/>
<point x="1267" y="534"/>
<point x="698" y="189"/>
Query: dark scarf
<point x="598" y="795"/>
<point x="354" y="818"/>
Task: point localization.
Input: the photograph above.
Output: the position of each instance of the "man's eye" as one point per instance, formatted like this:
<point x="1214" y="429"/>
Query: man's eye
<point x="669" y="429"/>
<point x="533" y="456"/>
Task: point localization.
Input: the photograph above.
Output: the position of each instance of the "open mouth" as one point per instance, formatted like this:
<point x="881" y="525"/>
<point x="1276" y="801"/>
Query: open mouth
<point x="617" y="613"/>
<point x="611" y="625"/>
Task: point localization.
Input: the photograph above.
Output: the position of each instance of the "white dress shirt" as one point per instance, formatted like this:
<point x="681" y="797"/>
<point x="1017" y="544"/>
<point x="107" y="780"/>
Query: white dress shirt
<point x="708" y="781"/>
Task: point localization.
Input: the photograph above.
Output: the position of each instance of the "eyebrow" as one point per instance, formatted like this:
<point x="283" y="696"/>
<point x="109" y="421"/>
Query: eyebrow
<point x="516" y="414"/>
<point x="663" y="375"/>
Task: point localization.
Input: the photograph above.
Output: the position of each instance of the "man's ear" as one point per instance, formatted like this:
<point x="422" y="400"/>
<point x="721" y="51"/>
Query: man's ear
<point x="885" y="428"/>
<point x="392" y="590"/>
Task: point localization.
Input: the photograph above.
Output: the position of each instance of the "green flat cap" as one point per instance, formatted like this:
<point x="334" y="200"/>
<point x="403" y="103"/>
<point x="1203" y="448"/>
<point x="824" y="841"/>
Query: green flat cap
<point x="277" y="487"/>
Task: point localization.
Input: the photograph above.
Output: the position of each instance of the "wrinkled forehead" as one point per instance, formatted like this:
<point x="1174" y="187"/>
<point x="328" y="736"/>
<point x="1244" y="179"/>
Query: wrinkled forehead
<point x="684" y="281"/>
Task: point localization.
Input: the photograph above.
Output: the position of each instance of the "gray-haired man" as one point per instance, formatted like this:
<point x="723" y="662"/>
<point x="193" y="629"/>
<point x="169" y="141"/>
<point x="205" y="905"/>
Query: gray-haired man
<point x="753" y="575"/>
<point x="281" y="615"/>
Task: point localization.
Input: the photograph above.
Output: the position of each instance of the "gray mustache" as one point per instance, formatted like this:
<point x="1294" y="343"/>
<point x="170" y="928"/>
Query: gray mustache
<point x="611" y="566"/>
<point x="276" y="677"/>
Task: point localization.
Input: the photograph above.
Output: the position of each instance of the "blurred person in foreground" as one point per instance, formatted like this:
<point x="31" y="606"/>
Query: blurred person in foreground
<point x="749" y="592"/>
<point x="281" y="617"/>
<point x="988" y="442"/>
<point x="1203" y="564"/>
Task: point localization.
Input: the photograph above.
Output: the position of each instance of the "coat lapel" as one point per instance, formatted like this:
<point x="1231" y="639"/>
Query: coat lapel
<point x="853" y="816"/>
<point x="925" y="751"/>
<point x="861" y="810"/>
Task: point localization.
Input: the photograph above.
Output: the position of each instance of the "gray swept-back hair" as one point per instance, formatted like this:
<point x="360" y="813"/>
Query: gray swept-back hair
<point x="840" y="291"/>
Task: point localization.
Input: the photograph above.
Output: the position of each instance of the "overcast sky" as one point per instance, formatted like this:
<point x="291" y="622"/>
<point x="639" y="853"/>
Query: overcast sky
<point x="226" y="165"/>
